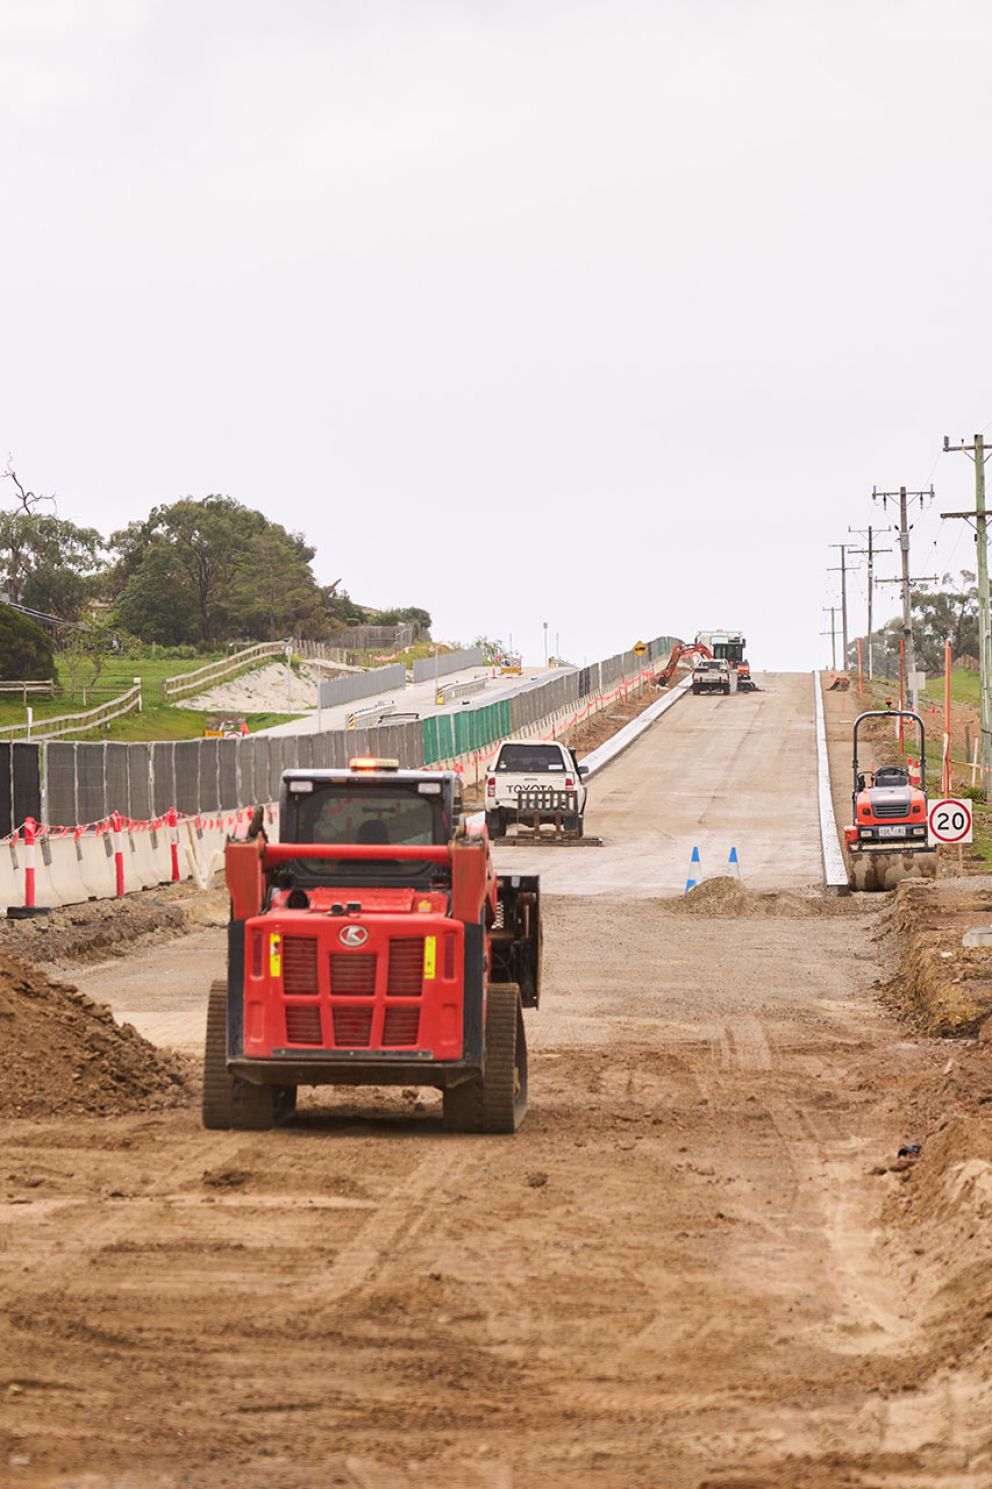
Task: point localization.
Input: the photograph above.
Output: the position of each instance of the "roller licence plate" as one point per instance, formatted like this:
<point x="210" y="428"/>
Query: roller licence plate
<point x="892" y="832"/>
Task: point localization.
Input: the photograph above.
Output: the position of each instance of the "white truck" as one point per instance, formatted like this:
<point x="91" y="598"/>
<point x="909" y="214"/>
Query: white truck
<point x="535" y="782"/>
<point x="712" y="675"/>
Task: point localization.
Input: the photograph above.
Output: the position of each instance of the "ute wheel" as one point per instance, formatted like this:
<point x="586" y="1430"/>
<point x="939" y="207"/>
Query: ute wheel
<point x="695" y="690"/>
<point x="229" y="1102"/>
<point x="495" y="824"/>
<point x="497" y="1100"/>
<point x="579" y="825"/>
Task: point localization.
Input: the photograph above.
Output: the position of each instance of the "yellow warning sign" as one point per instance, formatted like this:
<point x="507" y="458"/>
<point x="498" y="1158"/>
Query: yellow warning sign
<point x="639" y="648"/>
<point x="430" y="958"/>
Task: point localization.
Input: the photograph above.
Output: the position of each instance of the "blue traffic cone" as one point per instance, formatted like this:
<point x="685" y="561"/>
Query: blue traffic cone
<point x="733" y="867"/>
<point x="695" y="871"/>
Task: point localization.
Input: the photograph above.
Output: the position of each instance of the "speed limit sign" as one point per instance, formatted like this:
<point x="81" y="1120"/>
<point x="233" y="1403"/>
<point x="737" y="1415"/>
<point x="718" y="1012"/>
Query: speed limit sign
<point x="950" y="821"/>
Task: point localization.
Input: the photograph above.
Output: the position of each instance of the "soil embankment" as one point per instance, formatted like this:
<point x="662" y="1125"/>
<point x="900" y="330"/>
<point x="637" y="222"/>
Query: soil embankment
<point x="273" y="688"/>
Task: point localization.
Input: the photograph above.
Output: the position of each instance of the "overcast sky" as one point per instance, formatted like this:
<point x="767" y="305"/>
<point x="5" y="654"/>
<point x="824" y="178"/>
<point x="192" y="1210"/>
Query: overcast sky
<point x="604" y="313"/>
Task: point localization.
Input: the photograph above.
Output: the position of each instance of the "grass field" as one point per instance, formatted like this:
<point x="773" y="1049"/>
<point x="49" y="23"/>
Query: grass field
<point x="157" y="720"/>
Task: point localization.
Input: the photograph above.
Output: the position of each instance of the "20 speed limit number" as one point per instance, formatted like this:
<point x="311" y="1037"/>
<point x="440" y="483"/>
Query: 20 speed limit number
<point x="950" y="821"/>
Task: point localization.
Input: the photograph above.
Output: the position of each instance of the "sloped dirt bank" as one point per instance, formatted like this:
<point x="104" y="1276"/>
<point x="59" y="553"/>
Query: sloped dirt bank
<point x="943" y="987"/>
<point x="100" y="929"/>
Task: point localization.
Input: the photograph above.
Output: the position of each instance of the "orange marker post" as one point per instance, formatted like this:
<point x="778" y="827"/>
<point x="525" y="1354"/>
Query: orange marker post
<point x="945" y="775"/>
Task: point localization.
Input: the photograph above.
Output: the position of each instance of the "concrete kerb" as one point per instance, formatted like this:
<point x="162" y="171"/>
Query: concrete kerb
<point x="835" y="875"/>
<point x="625" y="737"/>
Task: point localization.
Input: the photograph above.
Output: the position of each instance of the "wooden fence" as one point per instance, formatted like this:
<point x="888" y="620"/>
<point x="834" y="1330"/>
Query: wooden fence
<point x="78" y="723"/>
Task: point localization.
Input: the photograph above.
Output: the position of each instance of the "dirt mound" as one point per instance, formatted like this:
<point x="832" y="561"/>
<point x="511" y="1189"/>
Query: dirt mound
<point x="729" y="898"/>
<point x="63" y="1053"/>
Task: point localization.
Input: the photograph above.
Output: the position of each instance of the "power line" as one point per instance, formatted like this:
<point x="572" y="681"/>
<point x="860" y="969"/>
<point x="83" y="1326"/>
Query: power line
<point x="904" y="497"/>
<point x="842" y="567"/>
<point x="977" y="452"/>
<point x="832" y="633"/>
<point x="870" y="552"/>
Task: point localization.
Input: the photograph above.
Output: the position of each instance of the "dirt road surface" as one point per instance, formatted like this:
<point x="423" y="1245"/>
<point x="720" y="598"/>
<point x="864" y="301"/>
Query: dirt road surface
<point x="689" y="1270"/>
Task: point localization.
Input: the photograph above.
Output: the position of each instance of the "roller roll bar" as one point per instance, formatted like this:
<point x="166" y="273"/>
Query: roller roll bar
<point x="892" y="713"/>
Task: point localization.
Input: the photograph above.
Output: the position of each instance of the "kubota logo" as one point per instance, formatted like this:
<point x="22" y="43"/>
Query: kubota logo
<point x="354" y="935"/>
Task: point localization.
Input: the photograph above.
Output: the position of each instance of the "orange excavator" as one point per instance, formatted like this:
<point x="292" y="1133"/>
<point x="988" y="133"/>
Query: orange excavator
<point x="679" y="654"/>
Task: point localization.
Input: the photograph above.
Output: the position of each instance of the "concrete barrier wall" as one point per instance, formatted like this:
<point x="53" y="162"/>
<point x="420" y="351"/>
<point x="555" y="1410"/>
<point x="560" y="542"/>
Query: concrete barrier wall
<point x="381" y="680"/>
<point x="446" y="662"/>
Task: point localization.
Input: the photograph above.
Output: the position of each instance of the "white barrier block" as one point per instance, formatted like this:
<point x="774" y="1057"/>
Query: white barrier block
<point x="96" y="869"/>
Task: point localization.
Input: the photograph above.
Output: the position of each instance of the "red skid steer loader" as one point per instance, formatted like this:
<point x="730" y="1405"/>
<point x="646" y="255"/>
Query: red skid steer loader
<point x="374" y="945"/>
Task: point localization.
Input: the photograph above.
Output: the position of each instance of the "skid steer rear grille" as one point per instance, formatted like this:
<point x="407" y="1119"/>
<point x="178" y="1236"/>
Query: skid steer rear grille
<point x="401" y="1026"/>
<point x="299" y="964"/>
<point x="352" y="1027"/>
<point x="406" y="967"/>
<point x="303" y="1026"/>
<point x="353" y="974"/>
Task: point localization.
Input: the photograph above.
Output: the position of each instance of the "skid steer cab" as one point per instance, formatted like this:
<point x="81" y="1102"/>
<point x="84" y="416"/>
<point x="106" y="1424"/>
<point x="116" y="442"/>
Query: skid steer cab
<point x="373" y="945"/>
<point x="887" y="841"/>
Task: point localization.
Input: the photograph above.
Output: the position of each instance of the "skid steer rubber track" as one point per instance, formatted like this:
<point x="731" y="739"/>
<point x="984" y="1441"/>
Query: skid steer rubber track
<point x="229" y="1102"/>
<point x="497" y="1100"/>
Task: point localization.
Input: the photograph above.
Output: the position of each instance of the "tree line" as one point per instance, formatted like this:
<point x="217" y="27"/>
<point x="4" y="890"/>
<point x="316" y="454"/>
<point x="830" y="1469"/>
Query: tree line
<point x="195" y="572"/>
<point x="946" y="611"/>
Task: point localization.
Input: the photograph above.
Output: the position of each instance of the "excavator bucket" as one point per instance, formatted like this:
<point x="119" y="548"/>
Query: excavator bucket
<point x="877" y="872"/>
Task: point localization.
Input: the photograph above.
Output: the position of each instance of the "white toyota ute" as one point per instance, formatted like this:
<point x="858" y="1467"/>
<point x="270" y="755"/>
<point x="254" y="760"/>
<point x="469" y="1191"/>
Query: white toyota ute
<point x="543" y="772"/>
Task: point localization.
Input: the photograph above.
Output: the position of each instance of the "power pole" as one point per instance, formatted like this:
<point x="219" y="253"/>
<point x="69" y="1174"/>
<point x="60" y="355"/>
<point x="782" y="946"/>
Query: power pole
<point x="832" y="633"/>
<point x="842" y="566"/>
<point x="905" y="497"/>
<point x="979" y="454"/>
<point x="870" y="552"/>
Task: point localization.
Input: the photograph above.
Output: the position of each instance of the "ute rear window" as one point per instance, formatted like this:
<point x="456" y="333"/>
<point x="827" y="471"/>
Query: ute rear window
<point x="529" y="759"/>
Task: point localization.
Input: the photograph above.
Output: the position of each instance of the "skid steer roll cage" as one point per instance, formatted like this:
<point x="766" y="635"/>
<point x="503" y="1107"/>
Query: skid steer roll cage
<point x="276" y="853"/>
<point x="890" y="713"/>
